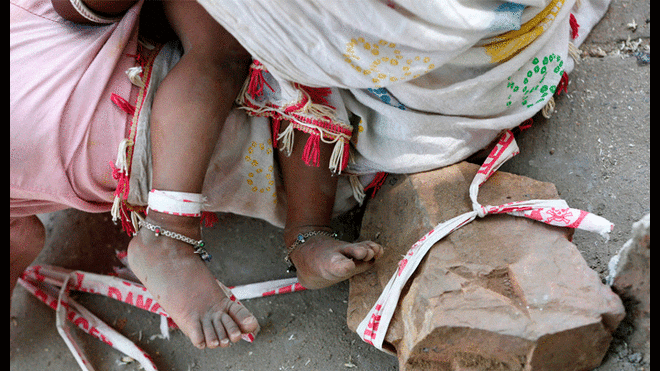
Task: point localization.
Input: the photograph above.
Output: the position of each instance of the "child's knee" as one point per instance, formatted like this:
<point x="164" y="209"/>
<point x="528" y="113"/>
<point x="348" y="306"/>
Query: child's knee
<point x="27" y="235"/>
<point x="202" y="34"/>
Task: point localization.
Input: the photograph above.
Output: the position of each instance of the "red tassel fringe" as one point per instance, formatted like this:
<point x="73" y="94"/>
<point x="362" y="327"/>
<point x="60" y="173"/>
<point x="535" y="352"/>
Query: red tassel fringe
<point x="257" y="81"/>
<point x="317" y="95"/>
<point x="574" y="27"/>
<point x="563" y="84"/>
<point x="312" y="152"/>
<point x="209" y="219"/>
<point x="122" y="104"/>
<point x="345" y="156"/>
<point x="375" y="184"/>
<point x="277" y="122"/>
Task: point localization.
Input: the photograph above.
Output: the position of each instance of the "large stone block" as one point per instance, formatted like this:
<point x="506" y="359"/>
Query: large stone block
<point x="501" y="293"/>
<point x="630" y="277"/>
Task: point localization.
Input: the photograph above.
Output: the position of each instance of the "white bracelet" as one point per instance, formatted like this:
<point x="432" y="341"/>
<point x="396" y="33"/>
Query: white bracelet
<point x="89" y="14"/>
<point x="176" y="203"/>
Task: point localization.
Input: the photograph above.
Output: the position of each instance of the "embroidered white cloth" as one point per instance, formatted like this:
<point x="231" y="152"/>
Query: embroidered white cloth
<point x="398" y="87"/>
<point x="424" y="84"/>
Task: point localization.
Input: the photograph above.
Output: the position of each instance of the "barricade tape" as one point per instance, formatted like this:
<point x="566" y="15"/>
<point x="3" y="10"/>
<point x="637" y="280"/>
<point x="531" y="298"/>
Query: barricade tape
<point x="52" y="284"/>
<point x="374" y="326"/>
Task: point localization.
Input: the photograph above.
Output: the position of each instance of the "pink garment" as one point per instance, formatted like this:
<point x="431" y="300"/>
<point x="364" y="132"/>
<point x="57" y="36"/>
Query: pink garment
<point x="64" y="128"/>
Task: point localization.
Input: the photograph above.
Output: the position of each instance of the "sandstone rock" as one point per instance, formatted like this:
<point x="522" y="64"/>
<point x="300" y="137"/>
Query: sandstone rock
<point x="630" y="277"/>
<point x="501" y="293"/>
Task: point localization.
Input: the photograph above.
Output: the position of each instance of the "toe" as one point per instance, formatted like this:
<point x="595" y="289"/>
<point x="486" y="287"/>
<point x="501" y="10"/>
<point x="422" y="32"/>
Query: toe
<point x="231" y="328"/>
<point x="220" y="330"/>
<point x="211" y="337"/>
<point x="196" y="336"/>
<point x="364" y="251"/>
<point x="245" y="321"/>
<point x="376" y="248"/>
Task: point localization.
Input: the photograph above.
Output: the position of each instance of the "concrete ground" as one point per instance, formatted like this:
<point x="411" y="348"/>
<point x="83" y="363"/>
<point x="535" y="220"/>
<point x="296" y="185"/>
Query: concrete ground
<point x="595" y="148"/>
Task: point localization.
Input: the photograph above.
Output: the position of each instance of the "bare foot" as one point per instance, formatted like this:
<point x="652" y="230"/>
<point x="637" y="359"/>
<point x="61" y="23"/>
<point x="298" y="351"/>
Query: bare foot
<point x="323" y="261"/>
<point x="182" y="284"/>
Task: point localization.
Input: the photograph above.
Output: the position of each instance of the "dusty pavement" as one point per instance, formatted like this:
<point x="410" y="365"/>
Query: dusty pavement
<point x="595" y="148"/>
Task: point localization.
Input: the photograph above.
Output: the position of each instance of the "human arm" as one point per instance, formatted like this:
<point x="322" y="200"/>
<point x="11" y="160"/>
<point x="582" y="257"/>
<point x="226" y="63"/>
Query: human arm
<point x="102" y="11"/>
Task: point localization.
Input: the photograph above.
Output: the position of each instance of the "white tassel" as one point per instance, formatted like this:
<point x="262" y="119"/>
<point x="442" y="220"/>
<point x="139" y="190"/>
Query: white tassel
<point x="135" y="220"/>
<point x="574" y="52"/>
<point x="116" y="209"/>
<point x="122" y="162"/>
<point x="336" y="157"/>
<point x="549" y="108"/>
<point x="134" y="75"/>
<point x="285" y="140"/>
<point x="358" y="189"/>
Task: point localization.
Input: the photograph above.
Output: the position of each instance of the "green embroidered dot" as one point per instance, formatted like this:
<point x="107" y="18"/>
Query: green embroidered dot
<point x="536" y="69"/>
<point x="535" y="61"/>
<point x="545" y="60"/>
<point x="543" y="70"/>
<point x="557" y="69"/>
<point x="525" y="81"/>
<point x="552" y="89"/>
<point x="544" y="88"/>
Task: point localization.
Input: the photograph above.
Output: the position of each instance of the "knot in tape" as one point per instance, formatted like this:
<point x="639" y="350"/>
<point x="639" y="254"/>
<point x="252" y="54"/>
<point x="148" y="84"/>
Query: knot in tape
<point x="480" y="210"/>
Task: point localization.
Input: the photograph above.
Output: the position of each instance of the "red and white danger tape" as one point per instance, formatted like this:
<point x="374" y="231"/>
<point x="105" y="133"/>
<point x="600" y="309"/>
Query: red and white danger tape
<point x="374" y="326"/>
<point x="52" y="284"/>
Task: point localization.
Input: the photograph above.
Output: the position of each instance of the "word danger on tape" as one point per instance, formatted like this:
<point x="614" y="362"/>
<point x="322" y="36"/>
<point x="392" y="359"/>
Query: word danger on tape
<point x="52" y="284"/>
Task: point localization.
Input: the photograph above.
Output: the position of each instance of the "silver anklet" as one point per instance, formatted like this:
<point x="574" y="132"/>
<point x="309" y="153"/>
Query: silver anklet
<point x="198" y="245"/>
<point x="300" y="240"/>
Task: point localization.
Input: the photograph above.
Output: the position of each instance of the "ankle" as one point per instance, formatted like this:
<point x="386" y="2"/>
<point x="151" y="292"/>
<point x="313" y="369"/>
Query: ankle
<point x="291" y="232"/>
<point x="186" y="225"/>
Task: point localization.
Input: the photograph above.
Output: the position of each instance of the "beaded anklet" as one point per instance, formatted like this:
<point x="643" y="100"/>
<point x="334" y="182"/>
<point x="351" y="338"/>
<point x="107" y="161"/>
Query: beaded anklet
<point x="197" y="244"/>
<point x="180" y="204"/>
<point x="300" y="240"/>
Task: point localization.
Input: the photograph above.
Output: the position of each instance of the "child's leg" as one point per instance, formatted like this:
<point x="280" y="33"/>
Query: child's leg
<point x="188" y="112"/>
<point x="26" y="239"/>
<point x="322" y="261"/>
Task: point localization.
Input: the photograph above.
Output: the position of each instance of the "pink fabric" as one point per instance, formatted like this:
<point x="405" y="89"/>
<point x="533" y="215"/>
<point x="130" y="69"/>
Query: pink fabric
<point x="64" y="129"/>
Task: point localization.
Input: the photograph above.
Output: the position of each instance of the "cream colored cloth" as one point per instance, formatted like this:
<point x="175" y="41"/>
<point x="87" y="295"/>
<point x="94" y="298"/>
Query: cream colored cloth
<point x="404" y="86"/>
<point x="426" y="83"/>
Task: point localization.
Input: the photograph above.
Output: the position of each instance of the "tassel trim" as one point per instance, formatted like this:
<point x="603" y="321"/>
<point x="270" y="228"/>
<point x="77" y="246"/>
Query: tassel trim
<point x="574" y="27"/>
<point x="549" y="108"/>
<point x="574" y="52"/>
<point x="357" y="188"/>
<point x="130" y="215"/>
<point x="311" y="114"/>
<point x="562" y="87"/>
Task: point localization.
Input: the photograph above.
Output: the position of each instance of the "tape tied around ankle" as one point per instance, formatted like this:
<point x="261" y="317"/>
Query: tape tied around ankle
<point x="176" y="203"/>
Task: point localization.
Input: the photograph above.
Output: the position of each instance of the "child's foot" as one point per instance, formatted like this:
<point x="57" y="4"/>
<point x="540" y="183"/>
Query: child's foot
<point x="323" y="261"/>
<point x="182" y="284"/>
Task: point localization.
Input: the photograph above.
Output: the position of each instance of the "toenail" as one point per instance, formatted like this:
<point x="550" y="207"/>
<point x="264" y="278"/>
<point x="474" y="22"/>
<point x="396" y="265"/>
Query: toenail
<point x="249" y="321"/>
